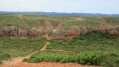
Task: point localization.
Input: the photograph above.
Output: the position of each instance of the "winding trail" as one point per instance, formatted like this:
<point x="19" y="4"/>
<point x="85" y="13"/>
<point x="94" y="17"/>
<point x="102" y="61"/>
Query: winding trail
<point x="102" y="19"/>
<point x="20" y="17"/>
<point x="59" y="26"/>
<point x="44" y="48"/>
<point x="49" y="25"/>
<point x="17" y="62"/>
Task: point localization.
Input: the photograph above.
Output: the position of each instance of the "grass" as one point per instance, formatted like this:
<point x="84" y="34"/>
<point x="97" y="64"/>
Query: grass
<point x="100" y="58"/>
<point x="89" y="21"/>
<point x="112" y="20"/>
<point x="10" y="20"/>
<point x="91" y="49"/>
<point x="38" y="20"/>
<point x="56" y="20"/>
<point x="20" y="47"/>
<point x="89" y="42"/>
<point x="34" y="20"/>
<point x="4" y="56"/>
<point x="94" y="48"/>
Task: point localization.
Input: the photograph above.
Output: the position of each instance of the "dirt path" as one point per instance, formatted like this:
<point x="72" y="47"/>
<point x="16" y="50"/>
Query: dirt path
<point x="79" y="19"/>
<point x="20" y="16"/>
<point x="48" y="27"/>
<point x="59" y="26"/>
<point x="40" y="29"/>
<point x="44" y="48"/>
<point x="46" y="36"/>
<point x="102" y="19"/>
<point x="17" y="62"/>
<point x="48" y="24"/>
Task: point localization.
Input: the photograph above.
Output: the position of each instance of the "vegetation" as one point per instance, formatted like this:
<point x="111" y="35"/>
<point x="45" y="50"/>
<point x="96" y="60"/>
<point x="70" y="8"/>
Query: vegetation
<point x="89" y="42"/>
<point x="38" y="20"/>
<point x="19" y="47"/>
<point x="34" y="20"/>
<point x="100" y="58"/>
<point x="85" y="21"/>
<point x="91" y="49"/>
<point x="10" y="20"/>
<point x="112" y="20"/>
<point x="3" y="56"/>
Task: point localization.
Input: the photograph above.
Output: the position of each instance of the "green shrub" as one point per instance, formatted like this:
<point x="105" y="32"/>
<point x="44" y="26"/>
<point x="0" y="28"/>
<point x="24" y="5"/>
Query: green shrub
<point x="4" y="56"/>
<point x="90" y="42"/>
<point x="100" y="58"/>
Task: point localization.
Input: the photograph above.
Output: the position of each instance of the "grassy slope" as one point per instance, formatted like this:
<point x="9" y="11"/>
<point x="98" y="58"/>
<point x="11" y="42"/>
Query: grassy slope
<point x="89" y="21"/>
<point x="112" y="20"/>
<point x="83" y="47"/>
<point x="19" y="47"/>
<point x="34" y="20"/>
<point x="10" y="19"/>
<point x="38" y="20"/>
<point x="92" y="49"/>
<point x="88" y="42"/>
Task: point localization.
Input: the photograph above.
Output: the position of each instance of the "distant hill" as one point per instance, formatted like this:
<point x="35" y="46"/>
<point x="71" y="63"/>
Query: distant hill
<point x="63" y="14"/>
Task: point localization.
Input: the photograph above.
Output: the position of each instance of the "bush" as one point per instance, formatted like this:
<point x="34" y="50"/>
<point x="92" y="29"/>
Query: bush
<point x="4" y="56"/>
<point x="109" y="59"/>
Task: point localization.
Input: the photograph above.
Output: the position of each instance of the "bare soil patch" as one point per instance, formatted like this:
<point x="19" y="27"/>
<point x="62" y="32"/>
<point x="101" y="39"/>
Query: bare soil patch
<point x="49" y="25"/>
<point x="79" y="19"/>
<point x="102" y="19"/>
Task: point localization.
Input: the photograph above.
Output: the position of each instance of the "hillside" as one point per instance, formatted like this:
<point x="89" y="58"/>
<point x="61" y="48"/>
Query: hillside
<point x="93" y="48"/>
<point x="56" y="28"/>
<point x="32" y="40"/>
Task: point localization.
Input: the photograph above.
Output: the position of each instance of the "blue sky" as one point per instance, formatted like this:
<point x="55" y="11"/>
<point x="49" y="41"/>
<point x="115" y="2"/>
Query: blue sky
<point x="68" y="6"/>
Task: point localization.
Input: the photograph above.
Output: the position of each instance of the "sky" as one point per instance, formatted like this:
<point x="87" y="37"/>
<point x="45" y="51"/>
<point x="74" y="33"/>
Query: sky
<point x="67" y="6"/>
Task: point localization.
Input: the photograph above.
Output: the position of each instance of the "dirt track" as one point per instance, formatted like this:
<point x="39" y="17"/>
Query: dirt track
<point x="17" y="62"/>
<point x="102" y="19"/>
<point x="59" y="26"/>
<point x="79" y="19"/>
<point x="20" y="16"/>
<point x="49" y="25"/>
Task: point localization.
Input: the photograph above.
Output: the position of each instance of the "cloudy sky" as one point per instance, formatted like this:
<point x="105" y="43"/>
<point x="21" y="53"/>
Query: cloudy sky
<point x="68" y="6"/>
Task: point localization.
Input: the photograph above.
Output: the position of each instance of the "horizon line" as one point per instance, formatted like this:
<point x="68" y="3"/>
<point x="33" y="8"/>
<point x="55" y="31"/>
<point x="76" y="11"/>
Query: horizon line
<point x="52" y="12"/>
